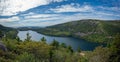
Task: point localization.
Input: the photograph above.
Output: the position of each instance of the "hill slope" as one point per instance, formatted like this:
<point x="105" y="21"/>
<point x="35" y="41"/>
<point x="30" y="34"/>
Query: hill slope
<point x="91" y="30"/>
<point x="8" y="32"/>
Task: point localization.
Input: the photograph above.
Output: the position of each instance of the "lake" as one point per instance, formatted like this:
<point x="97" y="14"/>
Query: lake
<point x="73" y="42"/>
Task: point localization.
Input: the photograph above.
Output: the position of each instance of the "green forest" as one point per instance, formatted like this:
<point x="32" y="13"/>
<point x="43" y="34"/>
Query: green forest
<point x="101" y="31"/>
<point x="59" y="30"/>
<point x="15" y="50"/>
<point x="12" y="49"/>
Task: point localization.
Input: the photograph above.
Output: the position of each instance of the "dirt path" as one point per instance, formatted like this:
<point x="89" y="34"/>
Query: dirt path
<point x="82" y="54"/>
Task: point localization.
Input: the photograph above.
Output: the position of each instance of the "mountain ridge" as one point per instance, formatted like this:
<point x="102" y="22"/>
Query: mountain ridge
<point x="8" y="32"/>
<point x="89" y="29"/>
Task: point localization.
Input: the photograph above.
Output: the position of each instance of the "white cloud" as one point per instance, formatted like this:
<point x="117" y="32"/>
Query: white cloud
<point x="15" y="18"/>
<point x="39" y="16"/>
<point x="12" y="7"/>
<point x="57" y="0"/>
<point x="35" y="19"/>
<point x="28" y="14"/>
<point x="103" y="13"/>
<point x="73" y="7"/>
<point x="109" y="8"/>
<point x="52" y="19"/>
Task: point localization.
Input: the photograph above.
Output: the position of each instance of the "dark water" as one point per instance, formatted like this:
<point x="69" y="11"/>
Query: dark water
<point x="75" y="43"/>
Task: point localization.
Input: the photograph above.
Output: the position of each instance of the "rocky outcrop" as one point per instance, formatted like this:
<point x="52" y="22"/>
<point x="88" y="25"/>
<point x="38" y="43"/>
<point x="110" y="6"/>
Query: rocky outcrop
<point x="2" y="47"/>
<point x="82" y="34"/>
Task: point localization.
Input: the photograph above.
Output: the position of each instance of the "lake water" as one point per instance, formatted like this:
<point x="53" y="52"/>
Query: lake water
<point x="73" y="42"/>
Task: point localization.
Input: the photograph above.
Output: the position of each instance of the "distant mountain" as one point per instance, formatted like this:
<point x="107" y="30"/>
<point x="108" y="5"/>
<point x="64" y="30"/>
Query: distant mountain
<point x="8" y="31"/>
<point x="89" y="29"/>
<point x="5" y="29"/>
<point x="28" y="28"/>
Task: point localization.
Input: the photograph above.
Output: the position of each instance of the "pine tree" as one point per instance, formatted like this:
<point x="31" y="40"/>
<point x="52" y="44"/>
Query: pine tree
<point x="70" y="48"/>
<point x="28" y="37"/>
<point x="55" y="44"/>
<point x="79" y="50"/>
<point x="115" y="49"/>
<point x="63" y="45"/>
<point x="43" y="39"/>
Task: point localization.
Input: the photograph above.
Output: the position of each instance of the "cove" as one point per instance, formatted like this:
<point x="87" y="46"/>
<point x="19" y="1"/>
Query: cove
<point x="73" y="42"/>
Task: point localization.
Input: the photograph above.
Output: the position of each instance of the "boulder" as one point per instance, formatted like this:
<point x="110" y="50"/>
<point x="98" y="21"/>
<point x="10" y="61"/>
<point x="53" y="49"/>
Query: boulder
<point x="2" y="47"/>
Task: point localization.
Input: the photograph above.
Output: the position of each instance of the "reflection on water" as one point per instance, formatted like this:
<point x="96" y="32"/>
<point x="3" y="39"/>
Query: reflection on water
<point x="75" y="43"/>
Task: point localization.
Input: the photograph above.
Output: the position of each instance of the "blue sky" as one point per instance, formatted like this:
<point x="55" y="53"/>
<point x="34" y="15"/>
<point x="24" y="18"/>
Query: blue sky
<point x="18" y="13"/>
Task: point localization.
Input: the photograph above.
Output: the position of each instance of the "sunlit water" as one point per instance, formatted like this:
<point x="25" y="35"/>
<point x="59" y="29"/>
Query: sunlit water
<point x="75" y="43"/>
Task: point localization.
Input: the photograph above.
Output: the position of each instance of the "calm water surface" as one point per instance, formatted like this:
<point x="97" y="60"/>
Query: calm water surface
<point x="75" y="43"/>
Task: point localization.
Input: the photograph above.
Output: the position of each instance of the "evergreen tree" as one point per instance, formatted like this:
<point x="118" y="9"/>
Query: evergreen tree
<point x="43" y="39"/>
<point x="115" y="49"/>
<point x="55" y="44"/>
<point x="63" y="45"/>
<point x="79" y="49"/>
<point x="0" y="32"/>
<point x="18" y="39"/>
<point x="51" y="55"/>
<point x="28" y="37"/>
<point x="70" y="49"/>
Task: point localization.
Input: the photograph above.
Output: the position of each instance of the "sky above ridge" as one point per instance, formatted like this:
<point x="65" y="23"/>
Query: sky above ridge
<point x="18" y="13"/>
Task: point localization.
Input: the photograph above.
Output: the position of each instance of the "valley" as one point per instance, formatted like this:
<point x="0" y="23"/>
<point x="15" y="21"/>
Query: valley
<point x="101" y="31"/>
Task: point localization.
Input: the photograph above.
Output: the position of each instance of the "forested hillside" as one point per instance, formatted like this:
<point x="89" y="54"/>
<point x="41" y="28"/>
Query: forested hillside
<point x="39" y="51"/>
<point x="8" y="32"/>
<point x="91" y="30"/>
<point x="12" y="49"/>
